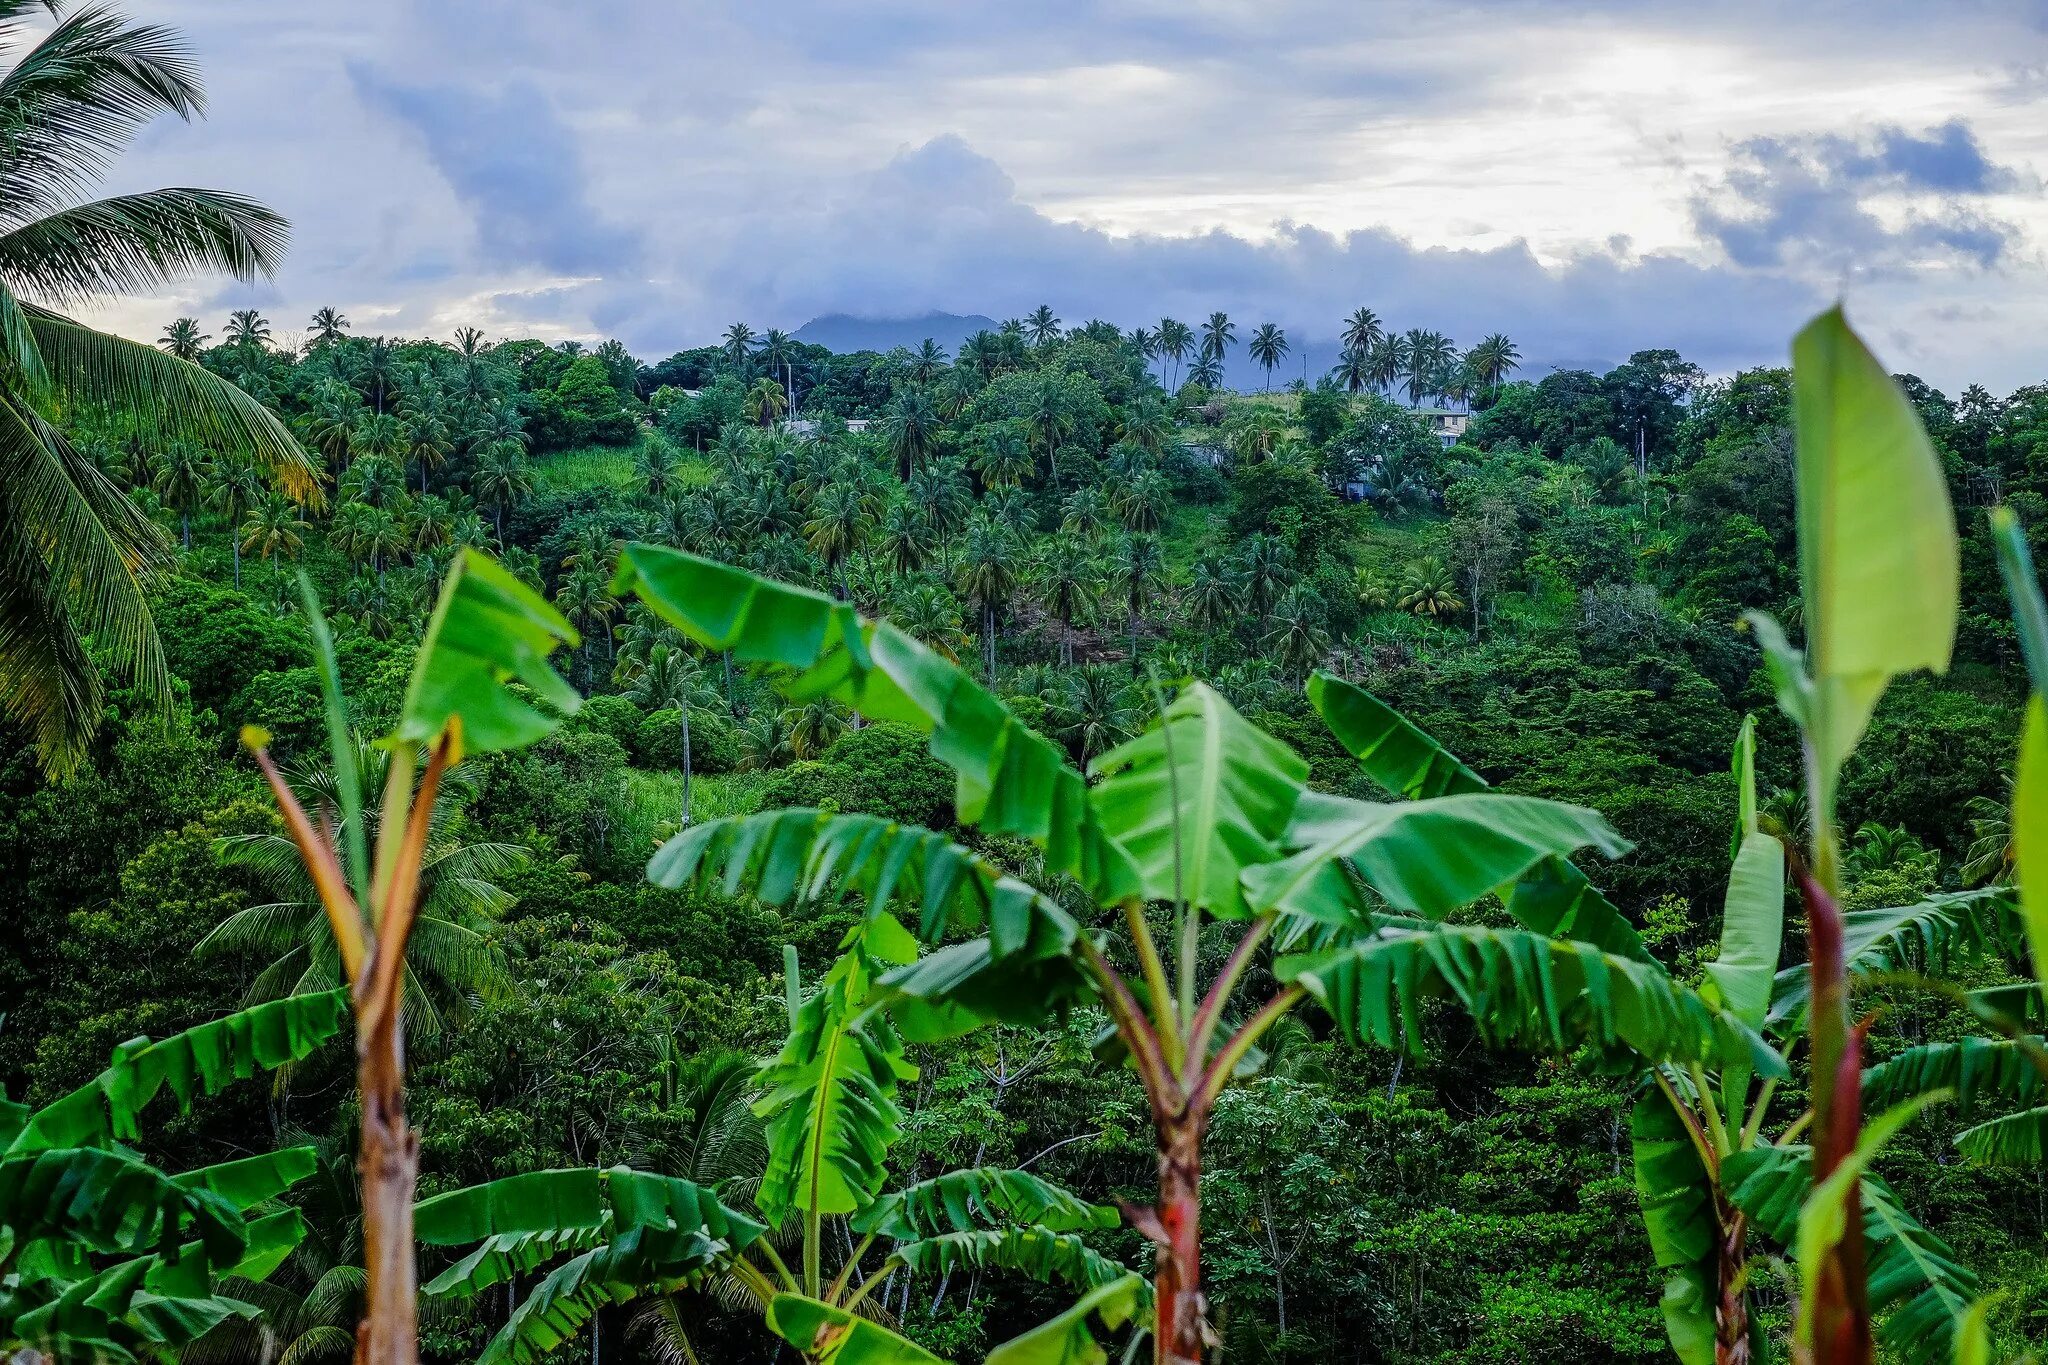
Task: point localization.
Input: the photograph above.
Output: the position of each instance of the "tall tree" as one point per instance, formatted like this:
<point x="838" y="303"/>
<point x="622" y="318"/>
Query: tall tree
<point x="1175" y="339"/>
<point x="76" y="551"/>
<point x="183" y="339"/>
<point x="248" y="329"/>
<point x="1267" y="346"/>
<point x="1493" y="360"/>
<point x="910" y="429"/>
<point x="778" y="350"/>
<point x="1219" y="334"/>
<point x="1363" y="331"/>
<point x="738" y="345"/>
<point x="1066" y="582"/>
<point x="1042" y="325"/>
<point x="988" y="579"/>
<point x="671" y="680"/>
<point x="328" y="326"/>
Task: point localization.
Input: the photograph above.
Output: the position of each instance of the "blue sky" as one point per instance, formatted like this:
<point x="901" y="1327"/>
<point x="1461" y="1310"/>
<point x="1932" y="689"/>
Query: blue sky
<point x="1590" y="176"/>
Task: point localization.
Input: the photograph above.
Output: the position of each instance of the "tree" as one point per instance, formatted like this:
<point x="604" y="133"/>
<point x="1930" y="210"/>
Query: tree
<point x="988" y="579"/>
<point x="670" y="680"/>
<point x="248" y="330"/>
<point x="1136" y="570"/>
<point x="927" y="362"/>
<point x="1427" y="588"/>
<point x="274" y="529"/>
<point x="837" y="527"/>
<point x="739" y="346"/>
<point x="907" y="542"/>
<point x="179" y="474"/>
<point x="1143" y="503"/>
<point x="766" y="402"/>
<point x="1002" y="458"/>
<point x="1493" y="360"/>
<point x="778" y="350"/>
<point x="78" y="552"/>
<point x="502" y="479"/>
<point x="487" y="628"/>
<point x="1219" y="333"/>
<point x="328" y="326"/>
<point x="1193" y="817"/>
<point x="1041" y="325"/>
<point x="1066" y="582"/>
<point x="1427" y="358"/>
<point x="233" y="487"/>
<point x="1354" y="370"/>
<point x="1175" y="339"/>
<point x="1362" y="332"/>
<point x="910" y="429"/>
<point x="183" y="339"/>
<point x="1267" y="346"/>
<point x="1298" y="638"/>
<point x="1212" y="599"/>
<point x="376" y="370"/>
<point x="831" y="1123"/>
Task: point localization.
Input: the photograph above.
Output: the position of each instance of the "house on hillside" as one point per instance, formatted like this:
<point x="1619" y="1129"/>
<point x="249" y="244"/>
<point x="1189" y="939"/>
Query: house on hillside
<point x="1447" y="423"/>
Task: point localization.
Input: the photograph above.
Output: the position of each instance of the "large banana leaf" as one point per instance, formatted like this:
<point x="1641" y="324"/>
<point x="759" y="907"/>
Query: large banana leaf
<point x="1046" y="1256"/>
<point x="641" y="1261"/>
<point x="201" y="1060"/>
<point x="964" y="986"/>
<point x="1977" y="1071"/>
<point x="1425" y="857"/>
<point x="488" y="629"/>
<point x="1521" y="990"/>
<point x="1197" y="799"/>
<point x="830" y="1105"/>
<point x="799" y="853"/>
<point x="1555" y="898"/>
<point x="1678" y="1214"/>
<point x="1935" y="934"/>
<point x="1070" y="1339"/>
<point x="978" y="1198"/>
<point x="833" y="1336"/>
<point x="2030" y="832"/>
<point x="1878" y="561"/>
<point x="1010" y="779"/>
<point x="250" y="1181"/>
<point x="113" y="1202"/>
<point x="504" y="1256"/>
<point x="1919" y="1293"/>
<point x="533" y="1201"/>
<point x="2015" y="1140"/>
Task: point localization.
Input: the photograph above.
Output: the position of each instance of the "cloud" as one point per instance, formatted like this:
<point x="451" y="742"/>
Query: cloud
<point x="1888" y="200"/>
<point x="515" y="165"/>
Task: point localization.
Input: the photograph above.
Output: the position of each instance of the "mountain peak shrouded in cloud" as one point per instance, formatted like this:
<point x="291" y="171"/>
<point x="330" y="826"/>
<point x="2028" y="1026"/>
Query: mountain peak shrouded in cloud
<point x="1590" y="178"/>
<point x="844" y="332"/>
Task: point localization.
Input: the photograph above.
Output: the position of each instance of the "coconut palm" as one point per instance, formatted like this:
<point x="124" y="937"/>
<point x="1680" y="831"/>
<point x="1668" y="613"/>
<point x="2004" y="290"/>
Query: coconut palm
<point x="1207" y="373"/>
<point x="374" y="479"/>
<point x="234" y="486"/>
<point x="778" y="351"/>
<point x="1142" y="503"/>
<point x="1136" y="570"/>
<point x="274" y="529"/>
<point x="1095" y="712"/>
<point x="931" y="615"/>
<point x="671" y="680"/>
<point x="183" y="339"/>
<point x="738" y="345"/>
<point x="988" y="578"/>
<point x="1362" y="331"/>
<point x="1298" y="638"/>
<point x="501" y="479"/>
<point x="766" y="402"/>
<point x="1429" y="356"/>
<point x="1084" y="513"/>
<point x="927" y="362"/>
<point x="814" y="726"/>
<point x="327" y="326"/>
<point x="1353" y="370"/>
<point x="910" y="429"/>
<point x="1147" y="425"/>
<point x="585" y="597"/>
<point x="1041" y="325"/>
<point x="179" y="474"/>
<point x="838" y="525"/>
<point x="1493" y="359"/>
<point x="377" y="435"/>
<point x="1427" y="588"/>
<point x="248" y="330"/>
<point x="1175" y="339"/>
<point x="449" y="961"/>
<point x="1267" y="345"/>
<point x="424" y="439"/>
<point x="1004" y="459"/>
<point x="1213" y="600"/>
<point x="905" y="538"/>
<point x="78" y="553"/>
<point x="317" y="1327"/>
<point x="1066" y="582"/>
<point x="376" y="370"/>
<point x="1219" y="334"/>
<point x="941" y="493"/>
<point x="330" y="422"/>
<point x="1266" y="568"/>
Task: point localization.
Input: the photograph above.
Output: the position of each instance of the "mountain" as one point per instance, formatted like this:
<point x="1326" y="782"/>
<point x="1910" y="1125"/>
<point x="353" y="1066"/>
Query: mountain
<point x="843" y="332"/>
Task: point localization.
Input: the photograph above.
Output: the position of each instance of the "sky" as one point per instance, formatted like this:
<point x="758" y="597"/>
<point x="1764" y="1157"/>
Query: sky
<point x="1591" y="177"/>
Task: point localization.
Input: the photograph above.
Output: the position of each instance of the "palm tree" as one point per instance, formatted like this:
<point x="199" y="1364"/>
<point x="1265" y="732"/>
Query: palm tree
<point x="910" y="429"/>
<point x="813" y="727"/>
<point x="906" y="537"/>
<point x="501" y="479"/>
<point x="1145" y="342"/>
<point x="1428" y="589"/>
<point x="77" y="552"/>
<point x="766" y="402"/>
<point x="1353" y="370"/>
<point x="423" y="439"/>
<point x="1049" y="419"/>
<point x="1267" y="346"/>
<point x="327" y="326"/>
<point x="1147" y="425"/>
<point x="1213" y="600"/>
<point x="1135" y="573"/>
<point x="314" y="1328"/>
<point x="738" y="345"/>
<point x="248" y="329"/>
<point x="1004" y="460"/>
<point x="1084" y="514"/>
<point x="670" y="680"/>
<point x="1493" y="360"/>
<point x="1429" y="355"/>
<point x="1095" y="713"/>
<point x="1207" y="373"/>
<point x="1298" y="637"/>
<point x="183" y="339"/>
<point x="927" y="361"/>
<point x="1267" y="571"/>
<point x="778" y="349"/>
<point x="1362" y="331"/>
<point x="274" y="529"/>
<point x="374" y="479"/>
<point x="1041" y="325"/>
<point x="1219" y="333"/>
<point x="838" y="524"/>
<point x="1066" y="583"/>
<point x="377" y="370"/>
<point x="585" y="598"/>
<point x="1386" y="361"/>
<point x="930" y="615"/>
<point x="448" y="960"/>
<point x="1142" y="503"/>
<point x="941" y="493"/>
<point x="988" y="580"/>
<point x="1174" y="340"/>
<point x="179" y="475"/>
<point x="233" y="487"/>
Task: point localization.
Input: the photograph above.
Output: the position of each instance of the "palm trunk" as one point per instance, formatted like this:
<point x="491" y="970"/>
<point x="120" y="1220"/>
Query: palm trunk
<point x="235" y="543"/>
<point x="686" y="765"/>
<point x="389" y="1164"/>
<point x="185" y="529"/>
<point x="1177" y="1278"/>
<point x="988" y="638"/>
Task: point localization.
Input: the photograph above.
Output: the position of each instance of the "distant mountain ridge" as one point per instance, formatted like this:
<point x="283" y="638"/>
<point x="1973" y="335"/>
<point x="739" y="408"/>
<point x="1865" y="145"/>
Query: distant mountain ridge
<point x="843" y="332"/>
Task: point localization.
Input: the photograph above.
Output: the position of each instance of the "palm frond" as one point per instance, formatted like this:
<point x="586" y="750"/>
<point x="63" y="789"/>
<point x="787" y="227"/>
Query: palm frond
<point x="139" y="242"/>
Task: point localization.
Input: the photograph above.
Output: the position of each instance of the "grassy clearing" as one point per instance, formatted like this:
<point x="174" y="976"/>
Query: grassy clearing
<point x="586" y="467"/>
<point x="654" y="800"/>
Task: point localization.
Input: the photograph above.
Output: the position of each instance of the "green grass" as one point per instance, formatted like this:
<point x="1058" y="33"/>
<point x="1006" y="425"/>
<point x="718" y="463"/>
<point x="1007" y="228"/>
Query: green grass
<point x="654" y="800"/>
<point x="584" y="467"/>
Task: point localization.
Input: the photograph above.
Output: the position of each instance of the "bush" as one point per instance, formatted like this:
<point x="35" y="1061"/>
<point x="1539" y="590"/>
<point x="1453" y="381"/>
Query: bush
<point x="714" y="743"/>
<point x="615" y="717"/>
<point x="882" y="769"/>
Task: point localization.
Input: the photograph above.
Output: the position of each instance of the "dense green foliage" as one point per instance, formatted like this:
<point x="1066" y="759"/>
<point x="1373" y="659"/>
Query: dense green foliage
<point x="1553" y="595"/>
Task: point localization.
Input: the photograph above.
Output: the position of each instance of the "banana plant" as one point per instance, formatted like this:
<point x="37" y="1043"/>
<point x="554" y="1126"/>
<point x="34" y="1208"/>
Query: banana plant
<point x="488" y="629"/>
<point x="828" y="1103"/>
<point x="1879" y="571"/>
<point x="105" y="1257"/>
<point x="1202" y="818"/>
